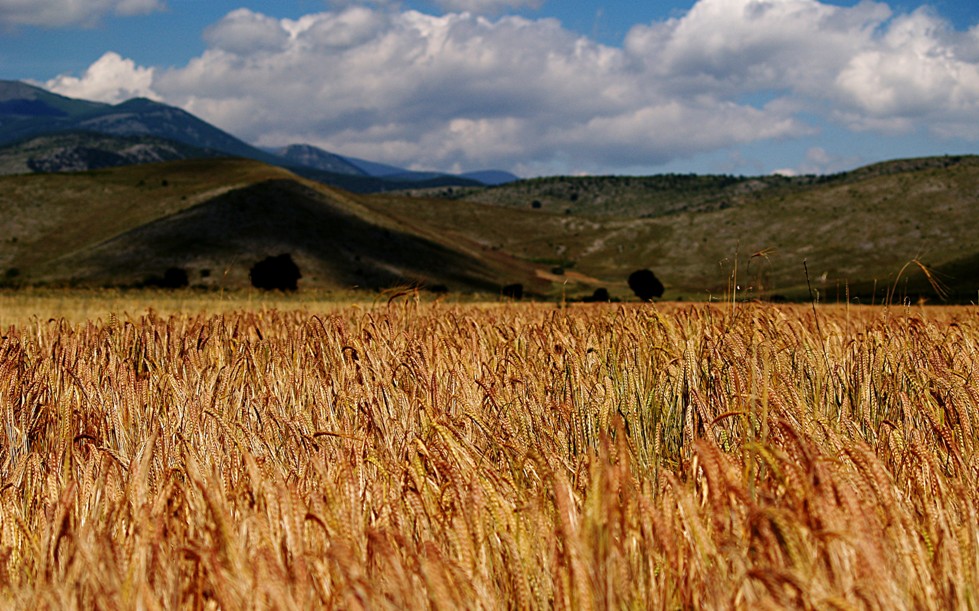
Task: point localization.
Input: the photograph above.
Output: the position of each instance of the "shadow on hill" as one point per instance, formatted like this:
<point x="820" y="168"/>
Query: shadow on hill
<point x="334" y="243"/>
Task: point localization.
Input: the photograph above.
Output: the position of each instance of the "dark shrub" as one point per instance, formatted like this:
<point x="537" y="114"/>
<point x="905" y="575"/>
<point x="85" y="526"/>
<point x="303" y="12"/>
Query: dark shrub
<point x="645" y="284"/>
<point x="513" y="291"/>
<point x="535" y="204"/>
<point x="175" y="278"/>
<point x="11" y="277"/>
<point x="276" y="274"/>
<point x="599" y="296"/>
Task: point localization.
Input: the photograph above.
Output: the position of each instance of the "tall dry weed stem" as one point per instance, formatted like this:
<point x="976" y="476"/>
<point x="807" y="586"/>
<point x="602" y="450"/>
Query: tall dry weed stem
<point x="518" y="456"/>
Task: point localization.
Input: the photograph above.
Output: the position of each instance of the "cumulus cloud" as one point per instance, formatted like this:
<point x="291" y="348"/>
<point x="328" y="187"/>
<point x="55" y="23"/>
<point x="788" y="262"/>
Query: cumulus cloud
<point x="111" y="79"/>
<point x="436" y="90"/>
<point x="245" y="32"/>
<point x="916" y="68"/>
<point x="475" y="91"/>
<point x="63" y="13"/>
<point x="487" y="7"/>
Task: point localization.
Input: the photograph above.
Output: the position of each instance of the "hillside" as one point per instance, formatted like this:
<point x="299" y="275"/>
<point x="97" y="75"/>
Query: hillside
<point x="663" y="194"/>
<point x="856" y="233"/>
<point x="304" y="155"/>
<point x="854" y="230"/>
<point x="24" y="104"/>
<point x="81" y="151"/>
<point x="215" y="219"/>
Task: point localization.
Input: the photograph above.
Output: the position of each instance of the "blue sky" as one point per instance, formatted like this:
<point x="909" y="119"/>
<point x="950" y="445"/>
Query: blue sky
<point x="533" y="86"/>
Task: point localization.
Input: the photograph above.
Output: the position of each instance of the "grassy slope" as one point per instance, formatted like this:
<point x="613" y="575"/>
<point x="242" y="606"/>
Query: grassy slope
<point x="48" y="216"/>
<point x="77" y="151"/>
<point x="856" y="230"/>
<point x="121" y="226"/>
<point x="853" y="229"/>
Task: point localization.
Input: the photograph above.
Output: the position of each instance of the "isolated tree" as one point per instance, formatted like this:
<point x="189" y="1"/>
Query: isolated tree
<point x="276" y="274"/>
<point x="645" y="285"/>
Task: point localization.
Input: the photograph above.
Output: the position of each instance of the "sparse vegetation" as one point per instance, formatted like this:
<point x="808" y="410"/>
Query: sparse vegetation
<point x="510" y="456"/>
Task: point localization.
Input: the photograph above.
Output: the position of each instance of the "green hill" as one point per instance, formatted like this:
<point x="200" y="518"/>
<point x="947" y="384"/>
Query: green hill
<point x="215" y="219"/>
<point x="861" y="234"/>
<point x="704" y="234"/>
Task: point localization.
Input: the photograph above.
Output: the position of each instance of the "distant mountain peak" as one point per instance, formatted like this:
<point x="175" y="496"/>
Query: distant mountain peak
<point x="492" y="177"/>
<point x="27" y="111"/>
<point x="16" y="90"/>
<point x="314" y="157"/>
<point x="20" y="100"/>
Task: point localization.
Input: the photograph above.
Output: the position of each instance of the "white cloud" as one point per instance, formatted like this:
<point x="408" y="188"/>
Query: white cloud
<point x="874" y="70"/>
<point x="64" y="13"/>
<point x="244" y="32"/>
<point x="487" y="7"/>
<point x="111" y="79"/>
<point x="732" y="46"/>
<point x="436" y="91"/>
<point x="916" y="68"/>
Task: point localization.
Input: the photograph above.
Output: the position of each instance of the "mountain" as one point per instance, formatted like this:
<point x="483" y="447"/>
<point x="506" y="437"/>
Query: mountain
<point x="358" y="183"/>
<point x="215" y="218"/>
<point x="492" y="178"/>
<point x="83" y="151"/>
<point x="305" y="155"/>
<point x="141" y="116"/>
<point x="27" y="112"/>
<point x="22" y="102"/>
<point x="372" y="168"/>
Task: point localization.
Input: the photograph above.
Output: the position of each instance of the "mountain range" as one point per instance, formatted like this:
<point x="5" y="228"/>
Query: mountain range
<point x="99" y="195"/>
<point x="102" y="136"/>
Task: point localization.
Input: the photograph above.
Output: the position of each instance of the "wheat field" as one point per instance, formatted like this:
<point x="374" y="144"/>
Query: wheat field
<point x="414" y="455"/>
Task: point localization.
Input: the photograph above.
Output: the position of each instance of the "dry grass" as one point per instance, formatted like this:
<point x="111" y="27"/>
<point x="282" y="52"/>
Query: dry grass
<point x="412" y="456"/>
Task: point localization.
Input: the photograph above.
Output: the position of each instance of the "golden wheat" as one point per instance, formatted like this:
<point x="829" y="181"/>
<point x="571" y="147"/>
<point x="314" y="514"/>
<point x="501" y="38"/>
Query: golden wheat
<point x="415" y="455"/>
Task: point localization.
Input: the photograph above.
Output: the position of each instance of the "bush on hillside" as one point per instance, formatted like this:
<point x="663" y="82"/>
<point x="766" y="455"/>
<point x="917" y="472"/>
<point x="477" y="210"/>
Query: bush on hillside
<point x="278" y="273"/>
<point x="646" y="285"/>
